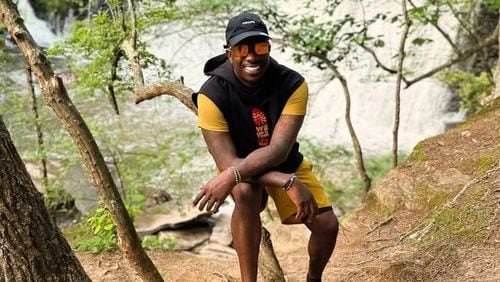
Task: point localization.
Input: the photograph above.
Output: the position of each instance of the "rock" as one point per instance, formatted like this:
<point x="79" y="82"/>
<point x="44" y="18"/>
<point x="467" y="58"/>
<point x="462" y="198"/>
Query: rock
<point x="219" y="251"/>
<point x="156" y="197"/>
<point x="147" y="224"/>
<point x="465" y="133"/>
<point x="221" y="233"/>
<point x="186" y="239"/>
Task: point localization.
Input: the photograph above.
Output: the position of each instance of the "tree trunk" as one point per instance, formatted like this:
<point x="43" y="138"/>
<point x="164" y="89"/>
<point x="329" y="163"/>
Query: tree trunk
<point x="38" y="128"/>
<point x="269" y="267"/>
<point x="31" y="246"/>
<point x="496" y="92"/>
<point x="56" y="97"/>
<point x="397" y="96"/>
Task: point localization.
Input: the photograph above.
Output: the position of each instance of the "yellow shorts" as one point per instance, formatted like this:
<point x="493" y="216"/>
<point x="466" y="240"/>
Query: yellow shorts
<point x="286" y="208"/>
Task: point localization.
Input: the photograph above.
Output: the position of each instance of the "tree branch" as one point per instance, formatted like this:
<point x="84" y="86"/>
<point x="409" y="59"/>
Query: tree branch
<point x="172" y="88"/>
<point x="489" y="41"/>
<point x="358" y="153"/>
<point x="443" y="33"/>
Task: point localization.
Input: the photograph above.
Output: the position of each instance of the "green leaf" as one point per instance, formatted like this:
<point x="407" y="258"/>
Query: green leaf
<point x="379" y="43"/>
<point x="419" y="41"/>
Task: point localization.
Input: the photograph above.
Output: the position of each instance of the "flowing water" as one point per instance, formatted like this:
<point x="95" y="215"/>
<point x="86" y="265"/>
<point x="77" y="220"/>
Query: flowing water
<point x="426" y="107"/>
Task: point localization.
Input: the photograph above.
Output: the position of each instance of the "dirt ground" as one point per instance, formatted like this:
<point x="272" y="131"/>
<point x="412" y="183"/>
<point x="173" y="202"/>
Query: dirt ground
<point x="185" y="266"/>
<point x="400" y="234"/>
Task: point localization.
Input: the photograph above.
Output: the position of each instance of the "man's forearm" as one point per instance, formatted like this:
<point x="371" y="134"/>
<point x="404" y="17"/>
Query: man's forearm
<point x="270" y="178"/>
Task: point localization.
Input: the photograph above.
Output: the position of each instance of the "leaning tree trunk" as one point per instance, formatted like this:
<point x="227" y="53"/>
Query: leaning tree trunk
<point x="269" y="267"/>
<point x="56" y="97"/>
<point x="31" y="246"/>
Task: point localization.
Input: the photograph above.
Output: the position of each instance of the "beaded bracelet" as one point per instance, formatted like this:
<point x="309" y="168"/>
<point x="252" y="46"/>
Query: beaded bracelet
<point x="289" y="183"/>
<point x="237" y="174"/>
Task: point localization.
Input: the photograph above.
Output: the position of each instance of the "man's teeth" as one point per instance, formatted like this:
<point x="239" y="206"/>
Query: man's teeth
<point x="251" y="68"/>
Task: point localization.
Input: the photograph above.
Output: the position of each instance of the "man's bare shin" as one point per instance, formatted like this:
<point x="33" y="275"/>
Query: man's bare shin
<point x="324" y="230"/>
<point x="246" y="228"/>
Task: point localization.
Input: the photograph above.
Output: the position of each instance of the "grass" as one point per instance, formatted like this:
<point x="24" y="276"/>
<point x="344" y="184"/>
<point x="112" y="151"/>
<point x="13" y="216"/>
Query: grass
<point x="418" y="155"/>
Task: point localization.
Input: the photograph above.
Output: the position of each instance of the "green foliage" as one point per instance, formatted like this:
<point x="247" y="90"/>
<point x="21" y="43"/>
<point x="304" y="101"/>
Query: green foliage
<point x="377" y="167"/>
<point x="103" y="233"/>
<point x="56" y="197"/>
<point x="335" y="169"/>
<point x="46" y="8"/>
<point x="155" y="243"/>
<point x="493" y="5"/>
<point x="329" y="40"/>
<point x="93" y="47"/>
<point x="471" y="87"/>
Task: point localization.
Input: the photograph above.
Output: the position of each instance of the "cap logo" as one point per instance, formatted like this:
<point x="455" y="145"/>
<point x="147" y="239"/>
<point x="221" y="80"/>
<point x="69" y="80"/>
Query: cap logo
<point x="248" y="22"/>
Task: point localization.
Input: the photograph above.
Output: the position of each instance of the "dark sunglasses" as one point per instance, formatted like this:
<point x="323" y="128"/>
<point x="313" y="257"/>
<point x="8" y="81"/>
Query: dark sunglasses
<point x="241" y="50"/>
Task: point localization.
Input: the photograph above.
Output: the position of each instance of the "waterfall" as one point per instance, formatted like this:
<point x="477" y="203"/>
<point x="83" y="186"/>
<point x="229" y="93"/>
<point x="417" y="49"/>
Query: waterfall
<point x="426" y="107"/>
<point x="39" y="29"/>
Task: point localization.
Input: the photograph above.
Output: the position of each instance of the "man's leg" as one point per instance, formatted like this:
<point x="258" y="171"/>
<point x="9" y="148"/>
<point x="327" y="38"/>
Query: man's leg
<point x="324" y="229"/>
<point x="246" y="227"/>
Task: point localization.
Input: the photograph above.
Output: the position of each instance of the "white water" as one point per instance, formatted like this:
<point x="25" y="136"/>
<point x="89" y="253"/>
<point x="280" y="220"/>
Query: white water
<point x="423" y="106"/>
<point x="39" y="29"/>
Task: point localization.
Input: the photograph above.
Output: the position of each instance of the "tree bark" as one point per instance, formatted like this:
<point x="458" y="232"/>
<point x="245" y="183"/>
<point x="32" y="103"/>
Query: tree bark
<point x="269" y="267"/>
<point x="56" y="97"/>
<point x="31" y="246"/>
<point x="358" y="152"/>
<point x="399" y="76"/>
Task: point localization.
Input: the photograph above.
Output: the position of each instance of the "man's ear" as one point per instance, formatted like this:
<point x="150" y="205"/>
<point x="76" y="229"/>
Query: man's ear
<point x="228" y="54"/>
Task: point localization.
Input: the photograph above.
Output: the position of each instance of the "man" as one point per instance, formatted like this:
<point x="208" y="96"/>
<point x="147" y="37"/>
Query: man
<point x="250" y="111"/>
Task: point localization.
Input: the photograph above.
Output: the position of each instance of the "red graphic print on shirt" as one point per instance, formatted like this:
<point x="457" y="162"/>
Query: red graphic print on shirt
<point x="261" y="127"/>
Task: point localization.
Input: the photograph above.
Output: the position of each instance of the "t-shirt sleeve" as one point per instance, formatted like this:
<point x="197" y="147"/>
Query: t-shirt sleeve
<point x="209" y="115"/>
<point x="297" y="103"/>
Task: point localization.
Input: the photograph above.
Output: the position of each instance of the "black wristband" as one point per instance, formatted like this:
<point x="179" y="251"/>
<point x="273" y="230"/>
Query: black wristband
<point x="289" y="183"/>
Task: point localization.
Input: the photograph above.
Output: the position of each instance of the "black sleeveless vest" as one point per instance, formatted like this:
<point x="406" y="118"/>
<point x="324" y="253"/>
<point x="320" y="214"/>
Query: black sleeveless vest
<point x="252" y="113"/>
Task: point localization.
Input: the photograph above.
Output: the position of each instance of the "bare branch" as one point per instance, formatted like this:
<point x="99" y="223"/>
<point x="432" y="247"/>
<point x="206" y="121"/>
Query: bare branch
<point x="111" y="89"/>
<point x="172" y="88"/>
<point x="443" y="33"/>
<point x="489" y="41"/>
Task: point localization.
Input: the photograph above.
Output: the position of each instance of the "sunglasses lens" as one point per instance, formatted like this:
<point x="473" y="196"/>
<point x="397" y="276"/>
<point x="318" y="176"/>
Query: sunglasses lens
<point x="240" y="50"/>
<point x="261" y="48"/>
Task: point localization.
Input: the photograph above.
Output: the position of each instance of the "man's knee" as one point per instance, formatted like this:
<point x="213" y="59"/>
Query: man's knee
<point x="327" y="225"/>
<point x="246" y="194"/>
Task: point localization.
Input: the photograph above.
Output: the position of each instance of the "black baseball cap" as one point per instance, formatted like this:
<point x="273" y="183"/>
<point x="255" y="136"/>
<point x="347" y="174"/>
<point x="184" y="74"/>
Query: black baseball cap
<point x="243" y="26"/>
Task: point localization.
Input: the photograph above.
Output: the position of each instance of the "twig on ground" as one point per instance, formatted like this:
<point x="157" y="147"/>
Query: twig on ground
<point x="344" y="237"/>
<point x="420" y="233"/>
<point x="486" y="175"/>
<point x="363" y="262"/>
<point x="383" y="239"/>
<point x="384" y="222"/>
<point x="221" y="275"/>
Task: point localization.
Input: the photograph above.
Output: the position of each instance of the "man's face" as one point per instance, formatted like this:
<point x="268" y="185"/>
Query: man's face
<point x="250" y="59"/>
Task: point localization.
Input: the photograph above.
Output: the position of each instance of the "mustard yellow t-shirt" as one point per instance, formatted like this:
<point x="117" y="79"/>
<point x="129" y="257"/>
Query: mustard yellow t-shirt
<point x="211" y="118"/>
